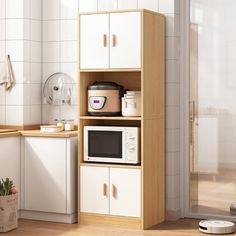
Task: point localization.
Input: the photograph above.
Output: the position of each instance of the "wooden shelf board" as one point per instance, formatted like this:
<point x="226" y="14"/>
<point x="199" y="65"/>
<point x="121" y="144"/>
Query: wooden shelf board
<point x="128" y="166"/>
<point x="111" y="70"/>
<point x="109" y="118"/>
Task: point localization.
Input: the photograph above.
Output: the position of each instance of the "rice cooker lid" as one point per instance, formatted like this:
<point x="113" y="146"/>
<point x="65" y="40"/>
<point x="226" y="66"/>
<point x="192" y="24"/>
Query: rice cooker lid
<point x="104" y="86"/>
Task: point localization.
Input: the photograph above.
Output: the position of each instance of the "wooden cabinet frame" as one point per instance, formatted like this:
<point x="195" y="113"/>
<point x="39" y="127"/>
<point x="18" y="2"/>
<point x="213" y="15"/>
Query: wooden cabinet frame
<point x="150" y="80"/>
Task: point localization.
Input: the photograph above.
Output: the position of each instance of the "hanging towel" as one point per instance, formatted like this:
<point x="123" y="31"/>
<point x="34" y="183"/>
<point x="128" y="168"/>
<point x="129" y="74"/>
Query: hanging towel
<point x="7" y="75"/>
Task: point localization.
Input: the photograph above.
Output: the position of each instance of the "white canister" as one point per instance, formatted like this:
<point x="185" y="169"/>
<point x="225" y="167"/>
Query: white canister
<point x="131" y="104"/>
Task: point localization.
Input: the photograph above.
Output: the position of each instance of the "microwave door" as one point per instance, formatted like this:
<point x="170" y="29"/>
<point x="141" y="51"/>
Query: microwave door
<point x="105" y="146"/>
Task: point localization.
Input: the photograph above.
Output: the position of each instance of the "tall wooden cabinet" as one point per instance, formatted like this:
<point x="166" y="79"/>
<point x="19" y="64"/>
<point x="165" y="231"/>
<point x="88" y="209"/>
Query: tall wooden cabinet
<point x="126" y="47"/>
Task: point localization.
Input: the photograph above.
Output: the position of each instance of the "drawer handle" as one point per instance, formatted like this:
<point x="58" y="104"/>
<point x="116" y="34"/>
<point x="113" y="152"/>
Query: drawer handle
<point x="113" y="40"/>
<point x="104" y="40"/>
<point x="114" y="191"/>
<point x="104" y="190"/>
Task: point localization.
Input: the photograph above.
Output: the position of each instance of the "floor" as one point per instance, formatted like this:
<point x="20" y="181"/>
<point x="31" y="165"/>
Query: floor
<point x="181" y="227"/>
<point x="213" y="193"/>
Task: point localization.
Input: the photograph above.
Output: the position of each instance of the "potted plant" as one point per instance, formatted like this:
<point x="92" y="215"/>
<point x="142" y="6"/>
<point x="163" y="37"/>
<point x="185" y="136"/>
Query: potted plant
<point x="8" y="205"/>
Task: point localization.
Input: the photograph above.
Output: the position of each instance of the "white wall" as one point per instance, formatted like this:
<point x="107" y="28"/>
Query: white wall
<point x="20" y="37"/>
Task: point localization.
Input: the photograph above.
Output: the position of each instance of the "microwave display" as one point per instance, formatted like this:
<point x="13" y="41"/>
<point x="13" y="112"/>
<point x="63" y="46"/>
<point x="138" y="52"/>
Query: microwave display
<point x="105" y="144"/>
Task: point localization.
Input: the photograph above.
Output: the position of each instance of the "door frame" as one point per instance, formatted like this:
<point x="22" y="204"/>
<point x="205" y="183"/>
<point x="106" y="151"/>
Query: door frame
<point x="184" y="118"/>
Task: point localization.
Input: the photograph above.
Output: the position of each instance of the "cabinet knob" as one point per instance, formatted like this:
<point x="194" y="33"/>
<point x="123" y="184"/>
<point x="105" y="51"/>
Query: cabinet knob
<point x="104" y="40"/>
<point x="104" y="190"/>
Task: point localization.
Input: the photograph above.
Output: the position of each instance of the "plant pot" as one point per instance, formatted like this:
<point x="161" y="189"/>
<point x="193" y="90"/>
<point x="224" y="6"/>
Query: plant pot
<point x="8" y="212"/>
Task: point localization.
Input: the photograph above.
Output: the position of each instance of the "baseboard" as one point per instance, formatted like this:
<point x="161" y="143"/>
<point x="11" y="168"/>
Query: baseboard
<point x="173" y="215"/>
<point x="45" y="216"/>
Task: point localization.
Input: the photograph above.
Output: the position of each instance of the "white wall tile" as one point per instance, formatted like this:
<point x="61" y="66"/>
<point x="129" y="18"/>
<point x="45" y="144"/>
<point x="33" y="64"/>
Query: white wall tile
<point x="35" y="72"/>
<point x="168" y="6"/>
<point x="15" y="95"/>
<point x="69" y="9"/>
<point x="106" y="5"/>
<point x="51" y="9"/>
<point x="71" y="70"/>
<point x="15" y="49"/>
<point x="13" y="32"/>
<point x="14" y="115"/>
<point x="2" y="9"/>
<point x="2" y="29"/>
<point x="26" y="94"/>
<point x="35" y="30"/>
<point x="26" y="115"/>
<point x="173" y="203"/>
<point x="50" y="114"/>
<point x="148" y="4"/>
<point x="51" y="52"/>
<point x="2" y="95"/>
<point x="51" y="30"/>
<point x="172" y="164"/>
<point x="172" y="95"/>
<point x="69" y="113"/>
<point x="35" y="51"/>
<point x="35" y="114"/>
<point x="172" y="186"/>
<point x="18" y="70"/>
<point x="172" y="118"/>
<point x="172" y="25"/>
<point x="14" y="8"/>
<point x="36" y="9"/>
<point x="49" y="69"/>
<point x="124" y="4"/>
<point x="2" y="51"/>
<point x="26" y="8"/>
<point x="35" y="94"/>
<point x="26" y="50"/>
<point x="69" y="51"/>
<point x="172" y="71"/>
<point x="172" y="140"/>
<point x="88" y="5"/>
<point x="69" y="30"/>
<point x="2" y="114"/>
<point x="172" y="48"/>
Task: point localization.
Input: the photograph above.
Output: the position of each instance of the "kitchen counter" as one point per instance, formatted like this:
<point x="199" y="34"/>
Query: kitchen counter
<point x="38" y="133"/>
<point x="8" y="133"/>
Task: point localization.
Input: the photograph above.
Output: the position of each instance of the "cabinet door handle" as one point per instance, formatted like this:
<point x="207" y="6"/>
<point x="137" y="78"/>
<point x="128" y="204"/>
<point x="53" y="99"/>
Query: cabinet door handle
<point x="114" y="191"/>
<point x="104" y="190"/>
<point x="113" y="40"/>
<point x="104" y="40"/>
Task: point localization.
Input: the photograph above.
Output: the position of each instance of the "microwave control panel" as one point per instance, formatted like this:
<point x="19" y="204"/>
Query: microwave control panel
<point x="132" y="145"/>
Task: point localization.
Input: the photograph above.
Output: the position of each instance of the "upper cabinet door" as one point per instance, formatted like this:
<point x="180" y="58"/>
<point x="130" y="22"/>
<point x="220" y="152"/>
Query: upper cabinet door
<point x="125" y="192"/>
<point x="94" y="41"/>
<point x="94" y="190"/>
<point x="125" y="40"/>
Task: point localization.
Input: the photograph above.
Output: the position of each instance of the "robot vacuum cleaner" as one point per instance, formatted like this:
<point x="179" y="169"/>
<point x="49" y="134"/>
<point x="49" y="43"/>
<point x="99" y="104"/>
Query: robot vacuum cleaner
<point x="216" y="227"/>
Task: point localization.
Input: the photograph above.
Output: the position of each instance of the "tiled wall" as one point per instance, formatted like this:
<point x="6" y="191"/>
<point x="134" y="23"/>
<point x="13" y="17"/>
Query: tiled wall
<point x="20" y="37"/>
<point x="60" y="51"/>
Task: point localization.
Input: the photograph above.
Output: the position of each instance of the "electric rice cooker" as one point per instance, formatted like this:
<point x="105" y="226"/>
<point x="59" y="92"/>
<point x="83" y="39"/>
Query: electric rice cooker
<point x="104" y="99"/>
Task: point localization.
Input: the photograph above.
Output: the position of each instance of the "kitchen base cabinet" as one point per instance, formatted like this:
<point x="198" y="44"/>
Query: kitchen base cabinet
<point x="111" y="191"/>
<point x="49" y="178"/>
<point x="10" y="160"/>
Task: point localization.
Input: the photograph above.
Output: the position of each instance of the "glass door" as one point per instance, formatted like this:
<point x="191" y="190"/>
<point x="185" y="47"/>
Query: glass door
<point x="212" y="106"/>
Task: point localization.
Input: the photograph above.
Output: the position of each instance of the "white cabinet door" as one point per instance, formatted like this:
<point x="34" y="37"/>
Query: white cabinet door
<point x="94" y="190"/>
<point x="125" y="40"/>
<point x="45" y="174"/>
<point x="125" y="192"/>
<point x="94" y="41"/>
<point x="10" y="160"/>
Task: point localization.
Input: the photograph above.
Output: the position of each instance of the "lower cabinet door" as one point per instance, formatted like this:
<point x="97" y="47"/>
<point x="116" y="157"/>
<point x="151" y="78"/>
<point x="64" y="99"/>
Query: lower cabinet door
<point x="125" y="192"/>
<point x="45" y="174"/>
<point x="94" y="190"/>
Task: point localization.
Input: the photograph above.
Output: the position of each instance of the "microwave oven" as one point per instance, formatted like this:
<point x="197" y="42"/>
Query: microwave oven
<point x="112" y="144"/>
